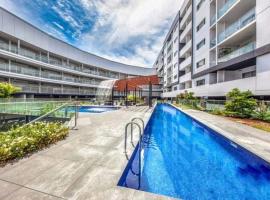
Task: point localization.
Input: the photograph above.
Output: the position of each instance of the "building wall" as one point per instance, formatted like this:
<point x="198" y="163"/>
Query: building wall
<point x="236" y="49"/>
<point x="43" y="65"/>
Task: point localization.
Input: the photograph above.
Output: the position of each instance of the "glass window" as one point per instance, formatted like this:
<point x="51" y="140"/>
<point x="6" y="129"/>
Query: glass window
<point x="200" y="44"/>
<point x="249" y="74"/>
<point x="200" y="63"/>
<point x="200" y="82"/>
<point x="199" y="5"/>
<point x="201" y="24"/>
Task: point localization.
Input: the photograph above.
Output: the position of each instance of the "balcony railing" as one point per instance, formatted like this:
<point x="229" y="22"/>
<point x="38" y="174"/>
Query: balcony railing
<point x="226" y="7"/>
<point x="213" y="20"/>
<point x="243" y="50"/>
<point x="36" y="73"/>
<point x="43" y="58"/>
<point x="213" y="43"/>
<point x="239" y="24"/>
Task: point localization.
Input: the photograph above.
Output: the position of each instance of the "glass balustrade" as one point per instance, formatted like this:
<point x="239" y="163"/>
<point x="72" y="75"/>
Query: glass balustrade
<point x="238" y="52"/>
<point x="213" y="20"/>
<point x="239" y="24"/>
<point x="4" y="67"/>
<point x="54" y="61"/>
<point x="213" y="43"/>
<point x="226" y="7"/>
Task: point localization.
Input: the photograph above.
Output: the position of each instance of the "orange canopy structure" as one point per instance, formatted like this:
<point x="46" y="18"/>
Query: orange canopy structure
<point x="134" y="83"/>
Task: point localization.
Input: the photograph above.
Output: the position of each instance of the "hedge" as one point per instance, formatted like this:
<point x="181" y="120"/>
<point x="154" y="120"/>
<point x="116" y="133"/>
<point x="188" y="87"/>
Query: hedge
<point x="18" y="142"/>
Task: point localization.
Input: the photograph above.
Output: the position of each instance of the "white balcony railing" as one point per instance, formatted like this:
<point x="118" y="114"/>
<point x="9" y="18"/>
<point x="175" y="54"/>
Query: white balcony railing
<point x="239" y="24"/>
<point x="185" y="78"/>
<point x="185" y="63"/>
<point x="186" y="48"/>
<point x="238" y="52"/>
<point x="226" y="7"/>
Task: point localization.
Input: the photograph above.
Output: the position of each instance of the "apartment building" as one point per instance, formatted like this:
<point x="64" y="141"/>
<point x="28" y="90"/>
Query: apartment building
<point x="223" y="44"/>
<point x="46" y="66"/>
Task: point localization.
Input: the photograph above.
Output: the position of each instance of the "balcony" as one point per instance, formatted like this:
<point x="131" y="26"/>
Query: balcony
<point x="213" y="43"/>
<point x="213" y="20"/>
<point x="186" y="16"/>
<point x="185" y="63"/>
<point x="187" y="30"/>
<point x="238" y="52"/>
<point x="226" y="7"/>
<point x="238" y="25"/>
<point x="41" y="57"/>
<point x="185" y="78"/>
<point x="186" y="49"/>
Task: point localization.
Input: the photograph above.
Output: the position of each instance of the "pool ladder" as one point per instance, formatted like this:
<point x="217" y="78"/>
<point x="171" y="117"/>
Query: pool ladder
<point x="141" y="130"/>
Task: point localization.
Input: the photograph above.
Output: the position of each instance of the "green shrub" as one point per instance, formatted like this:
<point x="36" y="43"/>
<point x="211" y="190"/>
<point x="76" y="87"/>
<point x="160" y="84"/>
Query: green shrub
<point x="7" y="89"/>
<point x="217" y="111"/>
<point x="262" y="112"/>
<point x="240" y="104"/>
<point x="18" y="142"/>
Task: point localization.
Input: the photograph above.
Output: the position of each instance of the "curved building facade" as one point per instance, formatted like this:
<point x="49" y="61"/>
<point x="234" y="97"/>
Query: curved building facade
<point x="43" y="65"/>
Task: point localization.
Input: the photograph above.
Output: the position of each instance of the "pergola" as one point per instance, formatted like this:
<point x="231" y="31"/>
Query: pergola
<point x="135" y="84"/>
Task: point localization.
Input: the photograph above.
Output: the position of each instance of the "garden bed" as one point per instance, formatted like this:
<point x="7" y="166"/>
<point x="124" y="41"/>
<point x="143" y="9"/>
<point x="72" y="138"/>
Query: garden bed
<point x="22" y="141"/>
<point x="252" y="122"/>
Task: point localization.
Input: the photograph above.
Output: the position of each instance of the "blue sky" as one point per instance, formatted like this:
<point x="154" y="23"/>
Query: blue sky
<point x="128" y="31"/>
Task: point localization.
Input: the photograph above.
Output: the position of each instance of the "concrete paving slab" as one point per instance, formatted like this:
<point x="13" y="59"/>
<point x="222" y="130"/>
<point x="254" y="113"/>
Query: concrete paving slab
<point x="7" y="188"/>
<point x="24" y="172"/>
<point x="29" y="194"/>
<point x="59" y="177"/>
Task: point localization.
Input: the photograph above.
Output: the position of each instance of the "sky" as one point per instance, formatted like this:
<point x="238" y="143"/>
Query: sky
<point x="127" y="31"/>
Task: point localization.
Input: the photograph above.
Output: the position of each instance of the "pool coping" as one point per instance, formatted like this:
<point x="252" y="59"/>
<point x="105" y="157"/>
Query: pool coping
<point x="224" y="134"/>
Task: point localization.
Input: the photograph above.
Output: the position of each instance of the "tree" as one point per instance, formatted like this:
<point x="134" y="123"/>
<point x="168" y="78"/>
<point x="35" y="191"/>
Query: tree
<point x="240" y="104"/>
<point x="7" y="90"/>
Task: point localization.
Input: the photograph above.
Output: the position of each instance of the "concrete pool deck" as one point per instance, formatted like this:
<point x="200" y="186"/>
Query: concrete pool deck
<point x="87" y="165"/>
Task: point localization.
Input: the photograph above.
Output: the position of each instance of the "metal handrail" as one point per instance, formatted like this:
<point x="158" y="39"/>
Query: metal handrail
<point x="139" y="143"/>
<point x="140" y="119"/>
<point x="52" y="111"/>
<point x="126" y="128"/>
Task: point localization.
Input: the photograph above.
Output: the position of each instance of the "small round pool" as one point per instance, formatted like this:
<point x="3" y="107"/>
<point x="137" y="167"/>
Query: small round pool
<point x="96" y="109"/>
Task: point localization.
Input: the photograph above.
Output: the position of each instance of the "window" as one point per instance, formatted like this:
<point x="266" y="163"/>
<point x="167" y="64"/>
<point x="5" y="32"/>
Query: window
<point x="200" y="63"/>
<point x="175" y="88"/>
<point x="200" y="4"/>
<point x="200" y="82"/>
<point x="200" y="44"/>
<point x="201" y="24"/>
<point x="175" y="65"/>
<point x="175" y="77"/>
<point x="249" y="74"/>
<point x="175" y="53"/>
<point x="175" y="40"/>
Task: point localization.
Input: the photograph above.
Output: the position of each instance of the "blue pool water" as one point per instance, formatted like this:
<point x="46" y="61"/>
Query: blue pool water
<point x="94" y="109"/>
<point x="182" y="158"/>
<point x="97" y="109"/>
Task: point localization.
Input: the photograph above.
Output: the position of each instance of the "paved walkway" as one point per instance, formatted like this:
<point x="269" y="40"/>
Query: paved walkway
<point x="255" y="140"/>
<point x="87" y="165"/>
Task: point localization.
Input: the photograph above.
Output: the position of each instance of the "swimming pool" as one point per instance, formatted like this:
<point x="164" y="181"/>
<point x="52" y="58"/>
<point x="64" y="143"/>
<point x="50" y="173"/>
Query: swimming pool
<point x="97" y="109"/>
<point x="94" y="109"/>
<point x="185" y="159"/>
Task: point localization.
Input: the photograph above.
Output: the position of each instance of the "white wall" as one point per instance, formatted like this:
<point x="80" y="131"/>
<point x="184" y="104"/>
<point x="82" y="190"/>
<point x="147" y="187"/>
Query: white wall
<point x="263" y="73"/>
<point x="263" y="17"/>
<point x="203" y="52"/>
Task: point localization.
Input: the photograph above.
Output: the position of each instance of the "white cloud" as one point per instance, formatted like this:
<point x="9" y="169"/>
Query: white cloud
<point x="121" y="21"/>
